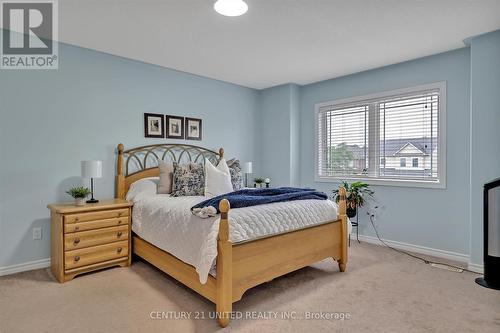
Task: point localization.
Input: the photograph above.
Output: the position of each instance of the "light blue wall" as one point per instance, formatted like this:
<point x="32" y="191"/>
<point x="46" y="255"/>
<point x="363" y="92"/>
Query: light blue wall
<point x="445" y="219"/>
<point x="295" y="135"/>
<point x="51" y="120"/>
<point x="279" y="132"/>
<point x="485" y="128"/>
<point x="432" y="218"/>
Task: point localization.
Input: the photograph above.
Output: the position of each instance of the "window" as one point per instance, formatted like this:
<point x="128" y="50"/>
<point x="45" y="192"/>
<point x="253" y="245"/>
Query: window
<point x="372" y="137"/>
<point x="414" y="162"/>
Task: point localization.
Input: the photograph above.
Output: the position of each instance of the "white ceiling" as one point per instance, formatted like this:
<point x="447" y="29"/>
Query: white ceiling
<point x="277" y="41"/>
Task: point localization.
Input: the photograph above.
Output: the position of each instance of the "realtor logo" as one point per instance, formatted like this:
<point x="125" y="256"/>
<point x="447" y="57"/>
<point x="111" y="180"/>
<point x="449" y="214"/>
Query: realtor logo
<point x="29" y="29"/>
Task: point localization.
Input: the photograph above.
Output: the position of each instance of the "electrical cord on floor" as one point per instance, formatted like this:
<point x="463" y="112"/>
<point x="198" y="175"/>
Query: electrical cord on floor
<point x="428" y="262"/>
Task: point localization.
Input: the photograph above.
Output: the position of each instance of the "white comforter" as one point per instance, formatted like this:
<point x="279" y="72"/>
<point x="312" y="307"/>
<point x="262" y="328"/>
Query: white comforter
<point x="167" y="222"/>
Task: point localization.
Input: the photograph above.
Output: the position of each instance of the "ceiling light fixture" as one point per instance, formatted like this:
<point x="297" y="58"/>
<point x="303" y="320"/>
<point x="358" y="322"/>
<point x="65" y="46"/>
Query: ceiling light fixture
<point x="231" y="7"/>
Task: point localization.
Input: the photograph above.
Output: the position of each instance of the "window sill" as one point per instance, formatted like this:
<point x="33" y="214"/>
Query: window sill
<point x="385" y="182"/>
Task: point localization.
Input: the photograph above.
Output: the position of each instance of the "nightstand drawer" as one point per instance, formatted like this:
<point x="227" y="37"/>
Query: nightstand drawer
<point x="83" y="239"/>
<point x="95" y="254"/>
<point x="90" y="225"/>
<point x="100" y="215"/>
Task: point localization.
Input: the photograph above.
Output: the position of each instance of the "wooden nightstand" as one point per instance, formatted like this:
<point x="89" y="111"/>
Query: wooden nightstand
<point x="89" y="237"/>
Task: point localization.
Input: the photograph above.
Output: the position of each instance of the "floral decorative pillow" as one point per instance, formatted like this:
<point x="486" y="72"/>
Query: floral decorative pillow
<point x="236" y="173"/>
<point x="188" y="179"/>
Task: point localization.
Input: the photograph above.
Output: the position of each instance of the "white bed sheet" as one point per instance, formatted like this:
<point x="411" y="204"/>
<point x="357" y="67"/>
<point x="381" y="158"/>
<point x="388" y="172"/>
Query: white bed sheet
<point x="167" y="223"/>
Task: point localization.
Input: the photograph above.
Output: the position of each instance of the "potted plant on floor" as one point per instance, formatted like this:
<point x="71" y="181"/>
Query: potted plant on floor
<point x="356" y="195"/>
<point x="79" y="193"/>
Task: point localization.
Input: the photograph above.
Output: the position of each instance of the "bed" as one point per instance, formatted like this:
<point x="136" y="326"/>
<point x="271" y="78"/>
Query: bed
<point x="205" y="255"/>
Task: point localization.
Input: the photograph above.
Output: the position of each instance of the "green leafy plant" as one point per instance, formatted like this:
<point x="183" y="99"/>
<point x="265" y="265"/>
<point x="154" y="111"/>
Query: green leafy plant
<point x="78" y="192"/>
<point x="258" y="180"/>
<point x="356" y="194"/>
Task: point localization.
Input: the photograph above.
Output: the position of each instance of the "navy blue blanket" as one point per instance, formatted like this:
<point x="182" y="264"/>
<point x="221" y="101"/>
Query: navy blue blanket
<point x="253" y="197"/>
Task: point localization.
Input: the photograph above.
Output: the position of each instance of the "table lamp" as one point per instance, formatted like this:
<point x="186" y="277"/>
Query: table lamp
<point x="92" y="169"/>
<point x="247" y="168"/>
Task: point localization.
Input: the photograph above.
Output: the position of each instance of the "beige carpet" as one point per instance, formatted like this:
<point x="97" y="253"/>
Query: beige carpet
<point x="382" y="291"/>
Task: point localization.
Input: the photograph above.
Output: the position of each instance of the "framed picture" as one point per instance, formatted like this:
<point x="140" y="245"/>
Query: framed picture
<point x="193" y="129"/>
<point x="153" y="125"/>
<point x="175" y="127"/>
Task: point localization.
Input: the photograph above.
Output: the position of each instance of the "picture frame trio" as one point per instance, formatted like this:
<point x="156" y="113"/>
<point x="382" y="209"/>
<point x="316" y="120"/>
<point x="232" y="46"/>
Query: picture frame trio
<point x="172" y="127"/>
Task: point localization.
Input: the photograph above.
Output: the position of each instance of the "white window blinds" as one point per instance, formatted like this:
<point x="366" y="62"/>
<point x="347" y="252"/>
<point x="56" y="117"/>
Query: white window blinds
<point x="394" y="136"/>
<point x="408" y="129"/>
<point x="343" y="140"/>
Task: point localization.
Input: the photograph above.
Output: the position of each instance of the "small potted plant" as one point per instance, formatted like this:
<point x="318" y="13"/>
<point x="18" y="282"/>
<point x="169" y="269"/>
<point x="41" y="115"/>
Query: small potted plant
<point x="79" y="193"/>
<point x="356" y="195"/>
<point x="258" y="182"/>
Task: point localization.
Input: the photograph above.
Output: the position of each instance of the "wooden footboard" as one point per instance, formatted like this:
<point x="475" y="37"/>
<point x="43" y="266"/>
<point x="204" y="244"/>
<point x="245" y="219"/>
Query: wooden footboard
<point x="261" y="261"/>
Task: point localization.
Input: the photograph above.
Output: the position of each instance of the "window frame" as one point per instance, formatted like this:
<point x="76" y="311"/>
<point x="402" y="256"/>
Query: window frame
<point x="413" y="162"/>
<point x="370" y="98"/>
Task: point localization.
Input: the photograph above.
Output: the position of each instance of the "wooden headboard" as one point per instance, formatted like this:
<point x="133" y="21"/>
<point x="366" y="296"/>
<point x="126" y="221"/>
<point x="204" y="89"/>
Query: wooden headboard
<point x="141" y="162"/>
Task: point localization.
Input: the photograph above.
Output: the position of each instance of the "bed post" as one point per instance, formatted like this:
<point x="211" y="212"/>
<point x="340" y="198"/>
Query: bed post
<point x="224" y="267"/>
<point x="120" y="179"/>
<point x="344" y="229"/>
<point x="221" y="153"/>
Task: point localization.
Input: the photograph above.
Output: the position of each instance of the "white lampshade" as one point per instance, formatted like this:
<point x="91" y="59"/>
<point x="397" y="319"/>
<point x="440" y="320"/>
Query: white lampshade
<point x="247" y="167"/>
<point x="91" y="169"/>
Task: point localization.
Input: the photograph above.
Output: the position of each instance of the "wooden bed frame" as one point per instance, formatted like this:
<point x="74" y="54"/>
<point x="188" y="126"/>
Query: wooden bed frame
<point x="240" y="266"/>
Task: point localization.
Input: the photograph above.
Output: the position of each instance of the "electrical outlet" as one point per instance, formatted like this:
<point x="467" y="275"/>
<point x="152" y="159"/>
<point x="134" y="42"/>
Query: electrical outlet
<point x="37" y="233"/>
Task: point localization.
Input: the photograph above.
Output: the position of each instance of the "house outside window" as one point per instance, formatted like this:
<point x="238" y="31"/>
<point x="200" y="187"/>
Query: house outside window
<point x="389" y="138"/>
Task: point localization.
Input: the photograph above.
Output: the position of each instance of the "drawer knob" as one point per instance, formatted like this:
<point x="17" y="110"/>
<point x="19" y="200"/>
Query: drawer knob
<point x="77" y="228"/>
<point x="120" y="214"/>
<point x="77" y="258"/>
<point x="119" y="221"/>
<point x="119" y="250"/>
<point x="119" y="234"/>
<point x="76" y="219"/>
<point x="76" y="241"/>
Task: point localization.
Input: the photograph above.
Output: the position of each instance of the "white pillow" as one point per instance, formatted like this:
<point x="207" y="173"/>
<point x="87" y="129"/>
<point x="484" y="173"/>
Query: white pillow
<point x="166" y="173"/>
<point x="142" y="188"/>
<point x="217" y="179"/>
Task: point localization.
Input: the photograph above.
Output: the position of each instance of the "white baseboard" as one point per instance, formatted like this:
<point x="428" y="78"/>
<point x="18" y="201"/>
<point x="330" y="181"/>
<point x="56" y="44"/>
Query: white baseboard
<point x="416" y="248"/>
<point x="478" y="268"/>
<point x="27" y="266"/>
<point x="44" y="263"/>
